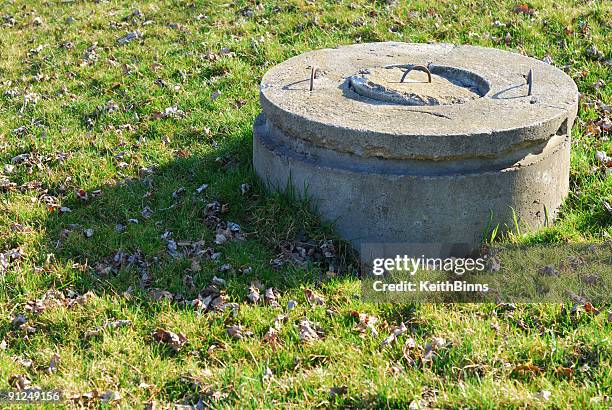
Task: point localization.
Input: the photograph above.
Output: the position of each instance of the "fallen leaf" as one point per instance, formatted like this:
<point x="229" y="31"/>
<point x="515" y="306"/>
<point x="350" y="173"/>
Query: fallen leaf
<point x="313" y="298"/>
<point x="25" y="362"/>
<point x="603" y="159"/>
<point x="589" y="308"/>
<point x="396" y="331"/>
<point x="180" y="191"/>
<point x="146" y="212"/>
<point x="307" y="331"/>
<point x="431" y="347"/>
<point x="543" y="395"/>
<point x="494" y="264"/>
<point x="174" y="340"/>
<point x="131" y="36"/>
<point x="564" y="371"/>
<point x="84" y="399"/>
<point x="82" y="195"/>
<point x="527" y="369"/>
<point x="410" y="343"/>
<point x="548" y="270"/>
<point x="19" y="381"/>
<point x="408" y="349"/>
<point x="238" y="332"/>
<point x="366" y="323"/>
<point x="270" y="297"/>
<point x="19" y="320"/>
<point x="394" y="370"/>
<point x="53" y="363"/>
<point x="593" y="52"/>
<point x="253" y="295"/>
<point x="159" y="294"/>
<point x="268" y="373"/>
<point x="244" y="188"/>
<point x="110" y="396"/>
<point x="524" y="9"/>
<point x="272" y="336"/>
<point x="172" y="248"/>
<point x="220" y="239"/>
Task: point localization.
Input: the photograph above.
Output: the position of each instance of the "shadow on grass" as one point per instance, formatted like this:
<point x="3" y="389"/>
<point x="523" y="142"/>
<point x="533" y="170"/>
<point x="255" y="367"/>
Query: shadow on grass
<point x="157" y="232"/>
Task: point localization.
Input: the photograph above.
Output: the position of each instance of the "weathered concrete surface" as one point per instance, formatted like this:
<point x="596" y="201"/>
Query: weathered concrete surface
<point x="385" y="171"/>
<point x="384" y="84"/>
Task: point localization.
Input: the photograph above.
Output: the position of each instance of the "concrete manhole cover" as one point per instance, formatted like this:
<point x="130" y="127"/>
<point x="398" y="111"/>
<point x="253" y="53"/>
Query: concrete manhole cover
<point x="416" y="161"/>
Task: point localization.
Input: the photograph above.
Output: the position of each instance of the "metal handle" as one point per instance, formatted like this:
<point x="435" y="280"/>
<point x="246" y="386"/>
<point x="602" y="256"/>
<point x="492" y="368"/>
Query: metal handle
<point x="418" y="68"/>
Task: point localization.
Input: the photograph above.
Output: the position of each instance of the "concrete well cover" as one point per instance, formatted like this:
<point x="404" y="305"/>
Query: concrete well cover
<point x="373" y="138"/>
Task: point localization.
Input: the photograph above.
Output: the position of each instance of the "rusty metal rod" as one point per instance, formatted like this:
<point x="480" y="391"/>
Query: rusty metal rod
<point x="313" y="73"/>
<point x="418" y="68"/>
<point x="530" y="81"/>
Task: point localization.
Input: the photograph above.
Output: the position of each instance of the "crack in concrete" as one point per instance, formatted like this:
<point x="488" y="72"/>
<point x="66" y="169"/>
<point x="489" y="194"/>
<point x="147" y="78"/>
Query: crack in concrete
<point x="436" y="114"/>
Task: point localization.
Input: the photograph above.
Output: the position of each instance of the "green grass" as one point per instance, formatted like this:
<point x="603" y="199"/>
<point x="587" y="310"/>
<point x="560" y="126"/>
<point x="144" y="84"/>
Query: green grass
<point x="94" y="121"/>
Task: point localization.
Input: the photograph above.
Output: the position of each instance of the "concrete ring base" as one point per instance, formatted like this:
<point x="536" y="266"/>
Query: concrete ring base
<point x="370" y="205"/>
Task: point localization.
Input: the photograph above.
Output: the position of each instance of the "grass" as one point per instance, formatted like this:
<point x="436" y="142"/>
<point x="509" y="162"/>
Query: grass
<point x="92" y="116"/>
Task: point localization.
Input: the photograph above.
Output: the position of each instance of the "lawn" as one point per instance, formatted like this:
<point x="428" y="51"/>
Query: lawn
<point x="142" y="263"/>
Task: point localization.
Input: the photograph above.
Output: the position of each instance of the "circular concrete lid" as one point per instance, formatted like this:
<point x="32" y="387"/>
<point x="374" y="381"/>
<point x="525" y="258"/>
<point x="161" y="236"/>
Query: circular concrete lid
<point x="486" y="116"/>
